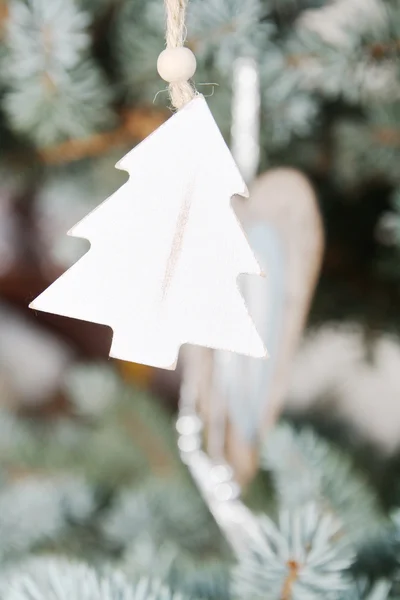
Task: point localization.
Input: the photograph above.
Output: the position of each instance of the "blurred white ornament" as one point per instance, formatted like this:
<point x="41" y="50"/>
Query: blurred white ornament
<point x="245" y="142"/>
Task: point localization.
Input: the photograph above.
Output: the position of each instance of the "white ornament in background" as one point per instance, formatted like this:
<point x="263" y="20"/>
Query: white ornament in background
<point x="245" y="131"/>
<point x="238" y="398"/>
<point x="283" y="222"/>
<point x="166" y="250"/>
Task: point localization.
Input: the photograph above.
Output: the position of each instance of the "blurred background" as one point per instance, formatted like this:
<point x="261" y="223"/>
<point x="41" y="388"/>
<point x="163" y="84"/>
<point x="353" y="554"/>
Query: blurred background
<point x="88" y="467"/>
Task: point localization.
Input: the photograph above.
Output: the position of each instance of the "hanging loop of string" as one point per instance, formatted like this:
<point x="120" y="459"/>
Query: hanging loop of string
<point x="180" y="92"/>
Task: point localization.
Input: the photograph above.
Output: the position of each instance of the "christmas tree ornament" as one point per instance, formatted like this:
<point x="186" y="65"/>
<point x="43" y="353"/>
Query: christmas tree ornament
<point x="237" y="399"/>
<point x="167" y="248"/>
<point x="202" y="416"/>
<point x="284" y="226"/>
<point x="227" y="402"/>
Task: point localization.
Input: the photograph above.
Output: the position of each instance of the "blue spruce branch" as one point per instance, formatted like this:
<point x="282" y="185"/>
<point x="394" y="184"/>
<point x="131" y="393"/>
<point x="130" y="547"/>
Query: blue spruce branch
<point x="304" y="557"/>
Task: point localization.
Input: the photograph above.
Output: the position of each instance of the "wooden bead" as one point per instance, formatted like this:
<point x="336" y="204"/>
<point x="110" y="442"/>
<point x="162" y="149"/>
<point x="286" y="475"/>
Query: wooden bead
<point x="176" y="64"/>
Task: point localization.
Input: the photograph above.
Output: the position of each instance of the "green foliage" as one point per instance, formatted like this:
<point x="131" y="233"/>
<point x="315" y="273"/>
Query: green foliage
<point x="367" y="147"/>
<point x="306" y="468"/>
<point x="229" y="30"/>
<point x="288" y="109"/>
<point x="361" y="591"/>
<point x="31" y="42"/>
<point x="99" y="449"/>
<point x="166" y="512"/>
<point x="84" y="495"/>
<point x="37" y="509"/>
<point x="305" y="556"/>
<point x="59" y="579"/>
<point x="344" y="76"/>
<point x="53" y="88"/>
<point x="185" y="572"/>
<point x="210" y="579"/>
<point x="137" y="53"/>
<point x="336" y="58"/>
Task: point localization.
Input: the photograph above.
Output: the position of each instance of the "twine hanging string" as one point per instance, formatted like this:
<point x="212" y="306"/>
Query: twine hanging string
<point x="181" y="92"/>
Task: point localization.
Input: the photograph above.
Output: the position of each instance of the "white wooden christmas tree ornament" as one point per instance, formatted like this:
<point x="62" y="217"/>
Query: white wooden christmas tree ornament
<point x="166" y="250"/>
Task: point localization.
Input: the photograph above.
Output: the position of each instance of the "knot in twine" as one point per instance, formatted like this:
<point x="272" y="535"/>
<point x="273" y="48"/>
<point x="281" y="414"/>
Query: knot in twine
<point x="180" y="92"/>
